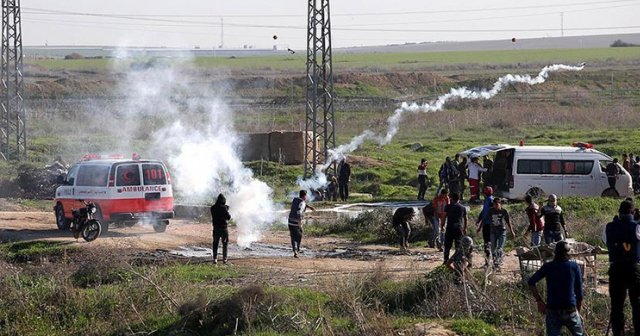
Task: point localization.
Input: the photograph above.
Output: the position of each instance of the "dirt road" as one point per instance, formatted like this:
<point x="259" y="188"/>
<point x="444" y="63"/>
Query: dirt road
<point x="322" y="256"/>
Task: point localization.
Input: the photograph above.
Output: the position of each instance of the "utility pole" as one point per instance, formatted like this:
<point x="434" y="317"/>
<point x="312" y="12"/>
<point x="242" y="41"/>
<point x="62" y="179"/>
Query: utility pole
<point x="320" y="134"/>
<point x="13" y="135"/>
<point x="562" y="24"/>
<point x="221" y="32"/>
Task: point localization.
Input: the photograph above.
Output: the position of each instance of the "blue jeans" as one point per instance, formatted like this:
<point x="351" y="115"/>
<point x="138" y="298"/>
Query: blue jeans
<point x="437" y="237"/>
<point x="497" y="244"/>
<point x="556" y="319"/>
<point x="552" y="236"/>
<point x="536" y="237"/>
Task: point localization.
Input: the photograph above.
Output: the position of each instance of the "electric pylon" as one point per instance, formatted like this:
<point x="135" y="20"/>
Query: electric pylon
<point x="320" y="117"/>
<point x="13" y="142"/>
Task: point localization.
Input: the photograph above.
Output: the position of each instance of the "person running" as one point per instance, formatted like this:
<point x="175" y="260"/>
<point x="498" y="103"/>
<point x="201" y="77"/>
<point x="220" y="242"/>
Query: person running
<point x="613" y="170"/>
<point x="474" y="179"/>
<point x="400" y="221"/>
<point x="622" y="237"/>
<point x="554" y="224"/>
<point x="499" y="217"/>
<point x="422" y="179"/>
<point x="484" y="223"/>
<point x="296" y="216"/>
<point x="564" y="292"/>
<point x="461" y="261"/>
<point x="440" y="218"/>
<point x="220" y="221"/>
<point x="456" y="224"/>
<point x="344" y="177"/>
<point x="536" y="224"/>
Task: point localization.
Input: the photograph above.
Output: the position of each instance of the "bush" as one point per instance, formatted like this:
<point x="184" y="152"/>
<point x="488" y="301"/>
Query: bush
<point x="620" y="43"/>
<point x="73" y="56"/>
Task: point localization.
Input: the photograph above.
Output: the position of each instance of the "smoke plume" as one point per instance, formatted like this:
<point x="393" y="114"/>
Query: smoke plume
<point x="393" y="122"/>
<point x="196" y="135"/>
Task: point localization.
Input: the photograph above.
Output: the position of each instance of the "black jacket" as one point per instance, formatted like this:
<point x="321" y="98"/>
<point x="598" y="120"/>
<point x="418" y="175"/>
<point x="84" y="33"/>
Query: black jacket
<point x="220" y="213"/>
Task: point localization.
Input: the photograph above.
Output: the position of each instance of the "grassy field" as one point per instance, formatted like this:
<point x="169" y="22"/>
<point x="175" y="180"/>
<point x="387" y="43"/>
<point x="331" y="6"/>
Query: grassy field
<point x="390" y="61"/>
<point x="51" y="289"/>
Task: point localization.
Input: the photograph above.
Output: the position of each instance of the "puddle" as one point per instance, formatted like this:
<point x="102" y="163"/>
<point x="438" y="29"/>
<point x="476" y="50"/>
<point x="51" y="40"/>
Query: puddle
<point x="257" y="250"/>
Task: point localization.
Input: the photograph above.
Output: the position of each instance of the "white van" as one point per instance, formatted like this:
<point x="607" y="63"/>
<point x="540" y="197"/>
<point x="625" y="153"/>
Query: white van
<point x="124" y="191"/>
<point x="577" y="170"/>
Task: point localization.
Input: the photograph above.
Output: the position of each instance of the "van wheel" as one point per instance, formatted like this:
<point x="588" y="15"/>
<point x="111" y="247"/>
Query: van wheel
<point x="61" y="221"/>
<point x="610" y="192"/>
<point x="160" y="226"/>
<point x="535" y="192"/>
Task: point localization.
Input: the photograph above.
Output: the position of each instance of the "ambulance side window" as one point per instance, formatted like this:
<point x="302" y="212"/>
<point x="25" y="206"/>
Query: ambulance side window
<point x="92" y="176"/>
<point x="153" y="174"/>
<point x="128" y="175"/>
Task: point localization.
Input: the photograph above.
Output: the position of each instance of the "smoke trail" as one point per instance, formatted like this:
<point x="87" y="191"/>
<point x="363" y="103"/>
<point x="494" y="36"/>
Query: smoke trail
<point x="433" y="106"/>
<point x="198" y="138"/>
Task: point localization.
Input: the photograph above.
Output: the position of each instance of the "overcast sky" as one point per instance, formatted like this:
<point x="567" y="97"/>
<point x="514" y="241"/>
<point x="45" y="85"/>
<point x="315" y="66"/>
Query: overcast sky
<point x="190" y="23"/>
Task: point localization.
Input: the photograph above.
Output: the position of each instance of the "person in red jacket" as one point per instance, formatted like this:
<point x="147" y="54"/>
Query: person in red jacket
<point x="439" y="203"/>
<point x="536" y="224"/>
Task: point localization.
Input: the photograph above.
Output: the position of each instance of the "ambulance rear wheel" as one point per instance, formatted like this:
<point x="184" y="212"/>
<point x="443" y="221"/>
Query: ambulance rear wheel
<point x="610" y="192"/>
<point x="160" y="226"/>
<point x="61" y="221"/>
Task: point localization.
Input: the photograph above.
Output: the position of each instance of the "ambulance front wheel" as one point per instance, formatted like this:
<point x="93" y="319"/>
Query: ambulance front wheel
<point x="61" y="221"/>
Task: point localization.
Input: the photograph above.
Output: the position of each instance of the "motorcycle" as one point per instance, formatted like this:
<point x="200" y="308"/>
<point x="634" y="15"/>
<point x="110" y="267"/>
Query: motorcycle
<point x="84" y="224"/>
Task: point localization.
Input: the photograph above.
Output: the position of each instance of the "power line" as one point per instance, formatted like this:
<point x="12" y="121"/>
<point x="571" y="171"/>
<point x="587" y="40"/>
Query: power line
<point x="482" y="18"/>
<point x="40" y="11"/>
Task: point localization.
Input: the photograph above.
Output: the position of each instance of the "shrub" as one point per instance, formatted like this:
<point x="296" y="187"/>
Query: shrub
<point x="73" y="56"/>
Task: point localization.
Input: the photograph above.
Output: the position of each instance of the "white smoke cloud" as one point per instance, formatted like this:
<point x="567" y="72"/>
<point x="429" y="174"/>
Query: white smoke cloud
<point x="200" y="143"/>
<point x="393" y="122"/>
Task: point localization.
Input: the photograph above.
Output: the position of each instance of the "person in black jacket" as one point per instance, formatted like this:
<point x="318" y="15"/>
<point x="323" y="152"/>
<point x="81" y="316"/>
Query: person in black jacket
<point x="622" y="237"/>
<point x="220" y="219"/>
<point x="344" y="177"/>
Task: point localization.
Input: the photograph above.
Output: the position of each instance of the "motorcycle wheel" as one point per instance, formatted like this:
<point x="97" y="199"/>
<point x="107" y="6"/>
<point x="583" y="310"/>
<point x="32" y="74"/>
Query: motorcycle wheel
<point x="91" y="230"/>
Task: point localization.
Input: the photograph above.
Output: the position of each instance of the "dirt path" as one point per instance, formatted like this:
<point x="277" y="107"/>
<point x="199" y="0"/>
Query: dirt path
<point x="322" y="257"/>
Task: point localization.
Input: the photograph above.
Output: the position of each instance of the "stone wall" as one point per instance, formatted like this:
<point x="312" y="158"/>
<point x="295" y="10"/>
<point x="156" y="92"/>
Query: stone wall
<point x="286" y="147"/>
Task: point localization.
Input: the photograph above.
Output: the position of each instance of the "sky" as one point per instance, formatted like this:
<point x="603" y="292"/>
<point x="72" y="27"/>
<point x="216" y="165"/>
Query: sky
<point x="208" y="24"/>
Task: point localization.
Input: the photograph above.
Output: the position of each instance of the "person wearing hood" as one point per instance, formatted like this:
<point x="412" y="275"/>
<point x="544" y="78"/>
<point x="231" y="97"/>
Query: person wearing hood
<point x="220" y="220"/>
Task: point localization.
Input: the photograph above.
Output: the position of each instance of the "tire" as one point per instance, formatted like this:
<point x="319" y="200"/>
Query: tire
<point x="535" y="192"/>
<point x="91" y="230"/>
<point x="61" y="221"/>
<point x="103" y="224"/>
<point x="160" y="226"/>
<point x="610" y="192"/>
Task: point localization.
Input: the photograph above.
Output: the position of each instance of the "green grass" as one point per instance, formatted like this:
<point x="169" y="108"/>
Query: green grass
<point x="473" y="327"/>
<point x="409" y="60"/>
<point x="33" y="250"/>
<point x="197" y="273"/>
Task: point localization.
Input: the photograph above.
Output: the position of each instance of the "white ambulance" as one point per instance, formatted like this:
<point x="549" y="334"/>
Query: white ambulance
<point x="124" y="191"/>
<point x="577" y="170"/>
